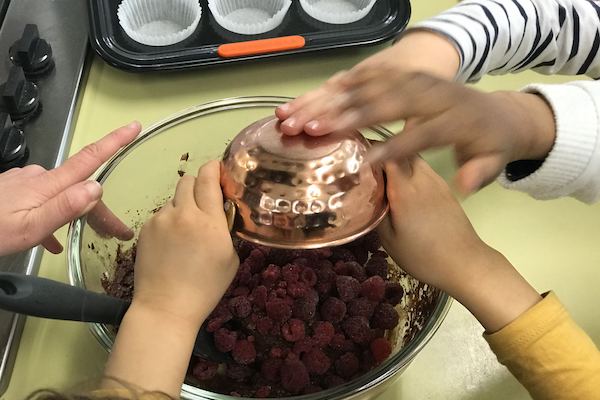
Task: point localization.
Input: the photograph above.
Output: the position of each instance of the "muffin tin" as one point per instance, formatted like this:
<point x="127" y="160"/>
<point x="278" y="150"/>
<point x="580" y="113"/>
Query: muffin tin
<point x="211" y="44"/>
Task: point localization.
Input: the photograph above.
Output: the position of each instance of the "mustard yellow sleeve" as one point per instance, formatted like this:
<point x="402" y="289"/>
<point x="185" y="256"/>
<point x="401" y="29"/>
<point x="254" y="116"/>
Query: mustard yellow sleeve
<point x="549" y="353"/>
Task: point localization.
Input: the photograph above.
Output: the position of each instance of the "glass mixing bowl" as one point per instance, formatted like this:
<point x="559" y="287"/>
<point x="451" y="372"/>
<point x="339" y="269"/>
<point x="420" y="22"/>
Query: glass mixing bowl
<point x="144" y="174"/>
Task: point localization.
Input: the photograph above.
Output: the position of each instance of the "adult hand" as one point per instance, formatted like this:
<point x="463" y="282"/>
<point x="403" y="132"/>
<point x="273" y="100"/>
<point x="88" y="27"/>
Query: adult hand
<point x="35" y="202"/>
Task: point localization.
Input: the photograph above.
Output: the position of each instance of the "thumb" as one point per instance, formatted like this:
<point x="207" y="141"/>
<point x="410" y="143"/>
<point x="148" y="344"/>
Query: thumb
<point x="477" y="173"/>
<point x="69" y="204"/>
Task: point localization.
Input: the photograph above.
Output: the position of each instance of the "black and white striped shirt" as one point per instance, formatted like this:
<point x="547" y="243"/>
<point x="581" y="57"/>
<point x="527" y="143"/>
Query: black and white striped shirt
<point x="501" y="36"/>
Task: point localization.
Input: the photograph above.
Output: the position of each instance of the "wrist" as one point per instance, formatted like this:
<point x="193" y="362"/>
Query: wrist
<point x="537" y="125"/>
<point x="493" y="291"/>
<point x="428" y="51"/>
<point x="181" y="318"/>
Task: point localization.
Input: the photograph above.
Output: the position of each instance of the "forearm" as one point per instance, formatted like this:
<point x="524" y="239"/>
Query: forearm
<point x="152" y="351"/>
<point x="502" y="36"/>
<point x="491" y="289"/>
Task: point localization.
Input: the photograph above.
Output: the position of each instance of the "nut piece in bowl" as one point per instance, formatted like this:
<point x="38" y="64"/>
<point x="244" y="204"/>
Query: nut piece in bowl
<point x="301" y="192"/>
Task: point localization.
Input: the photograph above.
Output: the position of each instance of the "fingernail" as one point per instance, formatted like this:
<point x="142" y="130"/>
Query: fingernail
<point x="94" y="189"/>
<point x="313" y="125"/>
<point x="134" y="125"/>
<point x="284" y="107"/>
<point x="290" y="122"/>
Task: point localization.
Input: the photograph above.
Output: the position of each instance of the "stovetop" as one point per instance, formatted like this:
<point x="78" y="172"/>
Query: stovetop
<point x="62" y="24"/>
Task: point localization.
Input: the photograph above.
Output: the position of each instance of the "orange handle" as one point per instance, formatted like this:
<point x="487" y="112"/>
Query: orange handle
<point x="263" y="46"/>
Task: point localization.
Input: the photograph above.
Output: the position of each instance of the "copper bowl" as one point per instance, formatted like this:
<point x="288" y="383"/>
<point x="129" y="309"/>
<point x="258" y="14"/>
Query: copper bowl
<point x="301" y="192"/>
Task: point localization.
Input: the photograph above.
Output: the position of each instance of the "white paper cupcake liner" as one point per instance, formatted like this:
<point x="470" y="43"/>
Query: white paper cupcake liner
<point x="159" y="22"/>
<point x="249" y="17"/>
<point x="337" y="11"/>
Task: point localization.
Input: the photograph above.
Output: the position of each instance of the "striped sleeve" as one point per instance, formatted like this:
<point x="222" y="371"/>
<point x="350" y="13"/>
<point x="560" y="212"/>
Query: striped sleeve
<point x="501" y="36"/>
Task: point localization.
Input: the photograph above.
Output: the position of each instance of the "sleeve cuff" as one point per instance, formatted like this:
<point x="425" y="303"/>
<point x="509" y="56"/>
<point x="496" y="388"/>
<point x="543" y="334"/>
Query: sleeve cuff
<point x="576" y="135"/>
<point x="516" y="337"/>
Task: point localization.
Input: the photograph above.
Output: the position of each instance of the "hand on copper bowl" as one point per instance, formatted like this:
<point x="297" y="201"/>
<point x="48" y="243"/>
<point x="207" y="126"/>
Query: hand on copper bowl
<point x="300" y="192"/>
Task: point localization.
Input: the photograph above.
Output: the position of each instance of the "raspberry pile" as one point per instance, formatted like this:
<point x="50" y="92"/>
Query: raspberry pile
<point x="296" y="321"/>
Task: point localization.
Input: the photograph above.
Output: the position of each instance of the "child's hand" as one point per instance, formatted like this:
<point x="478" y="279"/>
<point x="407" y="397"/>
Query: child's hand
<point x="487" y="130"/>
<point x="426" y="232"/>
<point x="430" y="237"/>
<point x="185" y="256"/>
<point x="416" y="51"/>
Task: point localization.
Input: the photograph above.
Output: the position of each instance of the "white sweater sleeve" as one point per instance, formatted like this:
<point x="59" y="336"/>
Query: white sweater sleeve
<point x="500" y="36"/>
<point x="573" y="166"/>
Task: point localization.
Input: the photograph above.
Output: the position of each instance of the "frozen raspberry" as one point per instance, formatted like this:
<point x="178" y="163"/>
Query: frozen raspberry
<point x="244" y="277"/>
<point x="278" y="309"/>
<point x="241" y="291"/>
<point x="244" y="250"/>
<point x="294" y="376"/>
<point x="290" y="273"/>
<point x="371" y="241"/>
<point x="305" y="309"/>
<point x="347" y="365"/>
<point x="380" y="253"/>
<point x="204" y="370"/>
<point x="377" y="266"/>
<point x="347" y="287"/>
<point x="361" y="254"/>
<point x="278" y="352"/>
<point x="256" y="261"/>
<point x="367" y="362"/>
<point x="259" y="296"/>
<point x="393" y="293"/>
<point x="340" y="268"/>
<point x="303" y="261"/>
<point x="324" y="288"/>
<point x="281" y="292"/>
<point x="324" y="252"/>
<point x="302" y="346"/>
<point x="357" y="329"/>
<point x="322" y="265"/>
<point x="309" y="277"/>
<point x="270" y="369"/>
<point x="323" y="332"/>
<point x="222" y="310"/>
<point x="385" y="317"/>
<point x="342" y="254"/>
<point x="225" y="340"/>
<point x="215" y="324"/>
<point x="361" y="307"/>
<point x="255" y="281"/>
<point x="271" y="275"/>
<point x="238" y="373"/>
<point x="244" y="352"/>
<point x="332" y="381"/>
<point x="381" y="349"/>
<point x="333" y="309"/>
<point x="340" y="344"/>
<point x="356" y="271"/>
<point x="296" y="289"/>
<point x="373" y="288"/>
<point x="279" y="256"/>
<point x="264" y="325"/>
<point x="316" y="362"/>
<point x="240" y="306"/>
<point x="293" y="330"/>
<point x="262" y="392"/>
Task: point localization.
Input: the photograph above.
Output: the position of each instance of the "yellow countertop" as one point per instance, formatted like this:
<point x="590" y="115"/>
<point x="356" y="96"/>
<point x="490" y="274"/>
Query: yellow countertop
<point x="554" y="244"/>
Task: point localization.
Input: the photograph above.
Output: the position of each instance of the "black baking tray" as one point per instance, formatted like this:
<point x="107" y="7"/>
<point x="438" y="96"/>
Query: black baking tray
<point x="387" y="19"/>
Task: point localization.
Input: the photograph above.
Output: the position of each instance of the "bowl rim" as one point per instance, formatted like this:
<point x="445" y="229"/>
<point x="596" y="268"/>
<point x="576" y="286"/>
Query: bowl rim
<point x="102" y="333"/>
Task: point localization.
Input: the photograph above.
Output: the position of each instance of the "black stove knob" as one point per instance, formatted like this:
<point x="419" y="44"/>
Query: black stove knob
<point x="31" y="53"/>
<point x="19" y="97"/>
<point x="13" y="149"/>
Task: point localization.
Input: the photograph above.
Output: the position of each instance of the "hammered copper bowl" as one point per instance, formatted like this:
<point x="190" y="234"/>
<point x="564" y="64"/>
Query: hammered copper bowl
<point x="301" y="192"/>
<point x="144" y="174"/>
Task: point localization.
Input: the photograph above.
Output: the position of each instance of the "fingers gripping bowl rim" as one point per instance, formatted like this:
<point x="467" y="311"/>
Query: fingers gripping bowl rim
<point x="86" y="265"/>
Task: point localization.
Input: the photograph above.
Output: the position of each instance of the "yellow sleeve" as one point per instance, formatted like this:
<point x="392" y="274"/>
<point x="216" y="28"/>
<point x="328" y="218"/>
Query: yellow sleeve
<point x="126" y="394"/>
<point x="549" y="353"/>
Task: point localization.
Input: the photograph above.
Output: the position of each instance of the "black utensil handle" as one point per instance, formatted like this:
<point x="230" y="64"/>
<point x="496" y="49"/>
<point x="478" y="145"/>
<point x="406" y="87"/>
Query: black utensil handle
<point x="45" y="298"/>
